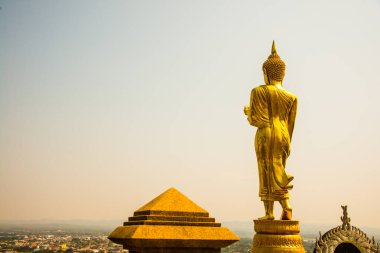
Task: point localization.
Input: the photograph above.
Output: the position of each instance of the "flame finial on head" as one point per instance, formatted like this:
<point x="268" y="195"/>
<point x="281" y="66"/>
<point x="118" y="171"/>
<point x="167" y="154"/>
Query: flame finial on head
<point x="274" y="51"/>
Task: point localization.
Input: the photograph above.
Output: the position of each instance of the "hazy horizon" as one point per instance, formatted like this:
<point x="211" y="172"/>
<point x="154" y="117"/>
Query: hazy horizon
<point x="244" y="229"/>
<point x="105" y="105"/>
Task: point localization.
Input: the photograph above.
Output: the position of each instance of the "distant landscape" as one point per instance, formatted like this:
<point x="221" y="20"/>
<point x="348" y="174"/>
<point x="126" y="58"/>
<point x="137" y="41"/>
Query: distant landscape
<point x="241" y="228"/>
<point x="74" y="236"/>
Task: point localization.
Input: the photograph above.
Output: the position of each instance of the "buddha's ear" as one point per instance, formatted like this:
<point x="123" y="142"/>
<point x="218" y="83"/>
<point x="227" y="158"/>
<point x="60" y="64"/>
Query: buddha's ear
<point x="266" y="77"/>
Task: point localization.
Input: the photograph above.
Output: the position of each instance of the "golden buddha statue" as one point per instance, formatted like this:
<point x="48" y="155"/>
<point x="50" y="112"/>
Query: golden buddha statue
<point x="273" y="110"/>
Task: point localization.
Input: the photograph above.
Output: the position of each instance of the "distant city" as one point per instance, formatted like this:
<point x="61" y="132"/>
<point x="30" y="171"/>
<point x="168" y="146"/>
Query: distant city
<point x="71" y="242"/>
<point x="92" y="238"/>
<point x="56" y="241"/>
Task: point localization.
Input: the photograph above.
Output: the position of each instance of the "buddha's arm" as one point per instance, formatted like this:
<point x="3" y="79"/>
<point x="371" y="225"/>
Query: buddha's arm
<point x="292" y="118"/>
<point x="248" y="110"/>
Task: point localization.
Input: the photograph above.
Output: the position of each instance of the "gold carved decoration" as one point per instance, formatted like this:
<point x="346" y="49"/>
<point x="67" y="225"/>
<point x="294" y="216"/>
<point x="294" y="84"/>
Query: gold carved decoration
<point x="345" y="233"/>
<point x="274" y="236"/>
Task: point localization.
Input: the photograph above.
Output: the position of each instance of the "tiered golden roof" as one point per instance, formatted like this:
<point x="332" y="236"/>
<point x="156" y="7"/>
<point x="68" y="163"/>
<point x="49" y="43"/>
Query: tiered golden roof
<point x="172" y="220"/>
<point x="169" y="201"/>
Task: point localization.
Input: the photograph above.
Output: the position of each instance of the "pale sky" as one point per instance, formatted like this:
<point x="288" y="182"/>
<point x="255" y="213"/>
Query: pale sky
<point x="106" y="104"/>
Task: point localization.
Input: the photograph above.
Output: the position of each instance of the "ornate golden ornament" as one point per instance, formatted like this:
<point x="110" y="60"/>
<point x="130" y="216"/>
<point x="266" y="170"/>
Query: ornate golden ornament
<point x="345" y="234"/>
<point x="277" y="236"/>
<point x="270" y="227"/>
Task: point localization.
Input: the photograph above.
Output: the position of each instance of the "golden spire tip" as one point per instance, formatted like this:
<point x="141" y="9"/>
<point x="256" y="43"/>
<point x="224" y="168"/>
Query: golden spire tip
<point x="274" y="51"/>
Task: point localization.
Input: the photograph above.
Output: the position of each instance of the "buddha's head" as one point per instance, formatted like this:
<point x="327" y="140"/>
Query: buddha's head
<point x="274" y="67"/>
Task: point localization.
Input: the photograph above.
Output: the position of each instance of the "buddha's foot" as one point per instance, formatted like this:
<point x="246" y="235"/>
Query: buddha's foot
<point x="267" y="217"/>
<point x="286" y="214"/>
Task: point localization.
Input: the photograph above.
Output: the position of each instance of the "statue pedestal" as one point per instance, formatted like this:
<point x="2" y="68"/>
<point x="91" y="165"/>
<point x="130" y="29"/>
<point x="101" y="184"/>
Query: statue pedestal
<point x="277" y="236"/>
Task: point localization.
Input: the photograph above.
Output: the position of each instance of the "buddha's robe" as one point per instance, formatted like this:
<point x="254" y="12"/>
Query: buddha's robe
<point x="273" y="111"/>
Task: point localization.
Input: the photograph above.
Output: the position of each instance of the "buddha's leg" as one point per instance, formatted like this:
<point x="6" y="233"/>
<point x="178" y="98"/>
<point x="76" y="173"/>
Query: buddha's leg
<point x="262" y="162"/>
<point x="286" y="209"/>
<point x="268" y="206"/>
<point x="262" y="145"/>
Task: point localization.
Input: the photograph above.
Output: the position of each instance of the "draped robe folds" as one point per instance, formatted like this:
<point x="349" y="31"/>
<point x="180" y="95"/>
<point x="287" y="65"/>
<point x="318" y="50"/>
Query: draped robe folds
<point x="273" y="111"/>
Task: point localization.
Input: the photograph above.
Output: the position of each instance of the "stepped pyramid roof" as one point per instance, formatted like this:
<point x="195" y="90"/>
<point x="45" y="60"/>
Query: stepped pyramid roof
<point x="172" y="221"/>
<point x="171" y="201"/>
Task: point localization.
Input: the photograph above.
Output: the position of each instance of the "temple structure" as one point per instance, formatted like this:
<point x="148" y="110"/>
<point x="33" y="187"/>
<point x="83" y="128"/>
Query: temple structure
<point x="345" y="238"/>
<point x="172" y="223"/>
